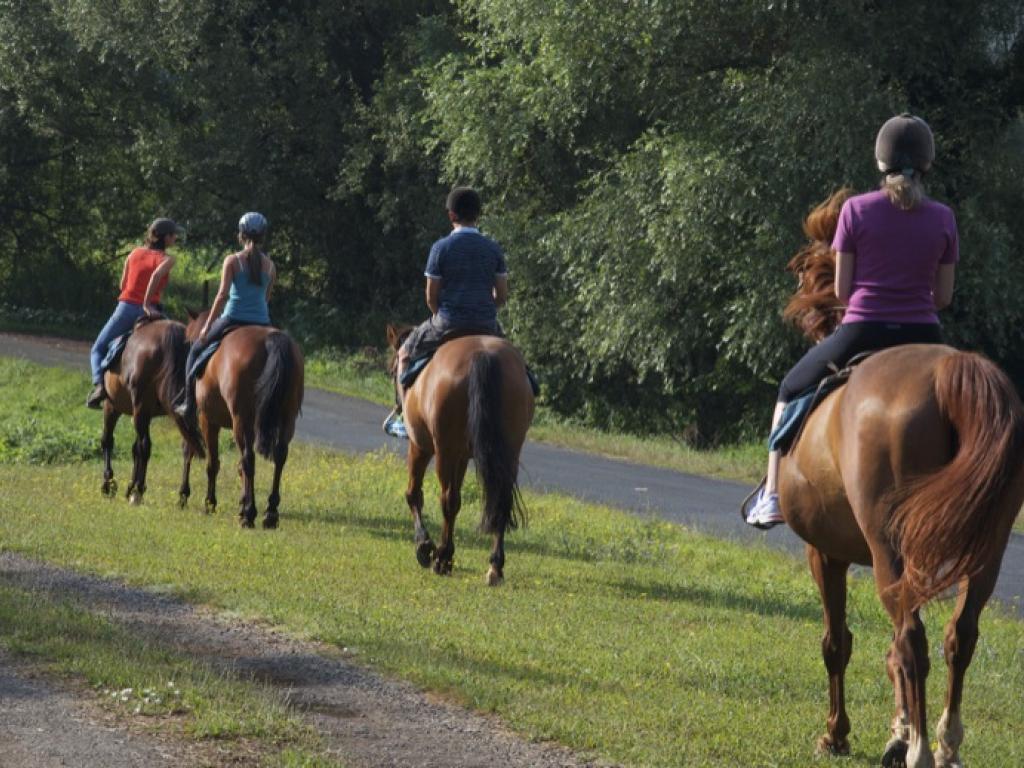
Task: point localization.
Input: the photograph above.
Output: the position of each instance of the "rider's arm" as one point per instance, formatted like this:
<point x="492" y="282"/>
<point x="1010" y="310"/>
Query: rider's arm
<point x="500" y="290"/>
<point x="942" y="290"/>
<point x="226" y="275"/>
<point x="154" y="279"/>
<point x="124" y="273"/>
<point x="433" y="294"/>
<point x="844" y="276"/>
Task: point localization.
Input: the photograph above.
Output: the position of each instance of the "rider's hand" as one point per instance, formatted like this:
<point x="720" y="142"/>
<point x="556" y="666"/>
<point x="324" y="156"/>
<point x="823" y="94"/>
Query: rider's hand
<point x="147" y="310"/>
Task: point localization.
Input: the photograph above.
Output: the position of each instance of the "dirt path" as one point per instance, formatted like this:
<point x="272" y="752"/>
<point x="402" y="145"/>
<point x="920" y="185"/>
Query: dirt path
<point x="366" y="719"/>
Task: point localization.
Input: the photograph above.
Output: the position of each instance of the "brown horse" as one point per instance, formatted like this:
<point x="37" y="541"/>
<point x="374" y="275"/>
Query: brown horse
<point x="472" y="401"/>
<point x="915" y="467"/>
<point x="252" y="385"/>
<point x="142" y="384"/>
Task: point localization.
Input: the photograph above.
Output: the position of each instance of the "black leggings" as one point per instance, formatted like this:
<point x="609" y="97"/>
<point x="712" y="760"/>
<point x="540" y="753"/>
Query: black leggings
<point x="847" y="341"/>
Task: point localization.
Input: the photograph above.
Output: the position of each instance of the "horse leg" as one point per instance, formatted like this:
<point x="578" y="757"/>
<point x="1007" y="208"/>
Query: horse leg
<point x="211" y="436"/>
<point x="245" y="440"/>
<point x="496" y="572"/>
<point x="417" y="461"/>
<point x="140" y="451"/>
<point x="280" y="457"/>
<point x="185" y="490"/>
<point x="836" y="647"/>
<point x="110" y="417"/>
<point x="909" y="665"/>
<point x="961" y="638"/>
<point x="451" y="475"/>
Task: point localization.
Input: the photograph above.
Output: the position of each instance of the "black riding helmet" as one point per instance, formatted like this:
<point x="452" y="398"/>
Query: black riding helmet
<point x="905" y="142"/>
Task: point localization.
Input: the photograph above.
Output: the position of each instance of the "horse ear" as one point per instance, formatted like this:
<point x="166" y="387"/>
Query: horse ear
<point x="392" y="336"/>
<point x="192" y="314"/>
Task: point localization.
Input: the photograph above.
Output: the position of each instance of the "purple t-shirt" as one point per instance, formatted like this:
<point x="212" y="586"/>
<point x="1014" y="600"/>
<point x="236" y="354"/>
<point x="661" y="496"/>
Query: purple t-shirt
<point x="896" y="255"/>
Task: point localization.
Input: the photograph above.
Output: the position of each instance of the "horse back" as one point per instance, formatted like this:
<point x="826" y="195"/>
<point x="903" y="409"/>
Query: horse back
<point x="880" y="430"/>
<point x="227" y="386"/>
<point x="141" y="375"/>
<point x="436" y="407"/>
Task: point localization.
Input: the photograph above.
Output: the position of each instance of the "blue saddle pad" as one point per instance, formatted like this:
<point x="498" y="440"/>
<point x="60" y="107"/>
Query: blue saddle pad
<point x="199" y="365"/>
<point x="795" y="414"/>
<point x="416" y="367"/>
<point x="114" y="352"/>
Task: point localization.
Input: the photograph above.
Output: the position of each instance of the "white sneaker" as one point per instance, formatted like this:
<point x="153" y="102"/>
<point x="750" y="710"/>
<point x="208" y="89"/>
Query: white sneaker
<point x="766" y="512"/>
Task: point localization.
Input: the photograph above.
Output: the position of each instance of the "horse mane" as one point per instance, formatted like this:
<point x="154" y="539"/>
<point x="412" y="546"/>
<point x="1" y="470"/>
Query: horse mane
<point x="814" y="309"/>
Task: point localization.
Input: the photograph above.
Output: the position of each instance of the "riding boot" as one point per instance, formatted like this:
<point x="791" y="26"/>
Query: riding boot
<point x="96" y="397"/>
<point x="186" y="405"/>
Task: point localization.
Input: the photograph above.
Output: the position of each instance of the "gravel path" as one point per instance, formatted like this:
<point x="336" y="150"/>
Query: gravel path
<point x="367" y="720"/>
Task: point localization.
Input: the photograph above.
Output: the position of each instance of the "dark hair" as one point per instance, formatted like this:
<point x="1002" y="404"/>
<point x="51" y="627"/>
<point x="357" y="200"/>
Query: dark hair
<point x="465" y="203"/>
<point x="159" y="231"/>
<point x="253" y="257"/>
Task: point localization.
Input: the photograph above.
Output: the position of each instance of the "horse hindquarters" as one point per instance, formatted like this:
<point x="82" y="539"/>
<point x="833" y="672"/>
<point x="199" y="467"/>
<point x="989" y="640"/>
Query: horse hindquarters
<point x="278" y="396"/>
<point x="495" y="457"/>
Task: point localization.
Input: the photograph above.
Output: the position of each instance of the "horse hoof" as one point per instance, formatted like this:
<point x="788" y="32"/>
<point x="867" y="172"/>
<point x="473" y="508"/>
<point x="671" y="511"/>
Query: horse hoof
<point x="443" y="567"/>
<point x="829" y="748"/>
<point x="270" y="523"/>
<point x="246" y="521"/>
<point x="895" y="755"/>
<point x="109" y="488"/>
<point x="183" y="501"/>
<point x="941" y="761"/>
<point x="425" y="553"/>
<point x="494" y="578"/>
<point x="135" y="498"/>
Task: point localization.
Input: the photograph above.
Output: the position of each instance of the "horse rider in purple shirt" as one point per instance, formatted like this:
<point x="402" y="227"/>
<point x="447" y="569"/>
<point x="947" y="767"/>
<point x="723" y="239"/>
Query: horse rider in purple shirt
<point x="896" y="254"/>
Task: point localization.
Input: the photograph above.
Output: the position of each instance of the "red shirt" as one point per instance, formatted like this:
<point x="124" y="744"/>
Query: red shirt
<point x="142" y="263"/>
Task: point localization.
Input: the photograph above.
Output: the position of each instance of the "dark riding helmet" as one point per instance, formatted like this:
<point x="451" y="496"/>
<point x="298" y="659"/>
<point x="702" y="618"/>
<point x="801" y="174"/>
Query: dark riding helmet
<point x="905" y="142"/>
<point x="253" y="224"/>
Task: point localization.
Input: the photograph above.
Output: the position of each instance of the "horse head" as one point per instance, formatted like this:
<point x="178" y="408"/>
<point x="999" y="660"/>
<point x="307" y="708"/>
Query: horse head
<point x="196" y="318"/>
<point x="814" y="308"/>
<point x="397" y="334"/>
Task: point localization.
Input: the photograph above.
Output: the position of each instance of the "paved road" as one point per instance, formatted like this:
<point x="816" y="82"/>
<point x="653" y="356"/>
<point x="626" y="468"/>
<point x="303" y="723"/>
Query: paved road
<point x="704" y="504"/>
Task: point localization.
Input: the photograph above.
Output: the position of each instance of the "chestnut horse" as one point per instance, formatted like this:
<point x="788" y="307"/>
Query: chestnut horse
<point x="916" y="468"/>
<point x="473" y="400"/>
<point x="142" y="384"/>
<point x="252" y="385"/>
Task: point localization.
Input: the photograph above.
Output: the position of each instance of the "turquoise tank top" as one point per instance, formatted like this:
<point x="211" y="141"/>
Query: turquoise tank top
<point x="247" y="301"/>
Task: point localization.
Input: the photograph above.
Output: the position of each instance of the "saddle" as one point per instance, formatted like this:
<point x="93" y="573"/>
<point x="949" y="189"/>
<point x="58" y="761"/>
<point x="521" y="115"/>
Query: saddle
<point x="417" y="365"/>
<point x="799" y="409"/>
<point x="199" y="365"/>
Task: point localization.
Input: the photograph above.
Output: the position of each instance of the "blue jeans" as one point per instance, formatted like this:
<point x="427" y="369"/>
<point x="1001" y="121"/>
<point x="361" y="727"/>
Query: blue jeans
<point x="120" y="322"/>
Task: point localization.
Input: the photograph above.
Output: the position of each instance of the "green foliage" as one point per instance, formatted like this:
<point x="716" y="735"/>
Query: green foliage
<point x="645" y="164"/>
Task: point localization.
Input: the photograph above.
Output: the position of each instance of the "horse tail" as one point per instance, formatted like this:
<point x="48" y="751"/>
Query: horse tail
<point x="272" y="390"/>
<point x="495" y="465"/>
<point x="949" y="525"/>
<point x="172" y="380"/>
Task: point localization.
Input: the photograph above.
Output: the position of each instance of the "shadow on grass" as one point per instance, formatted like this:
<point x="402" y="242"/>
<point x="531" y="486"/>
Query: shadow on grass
<point x="765" y="605"/>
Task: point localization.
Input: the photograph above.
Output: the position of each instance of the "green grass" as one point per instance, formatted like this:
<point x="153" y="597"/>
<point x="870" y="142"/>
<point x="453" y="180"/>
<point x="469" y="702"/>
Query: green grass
<point x="142" y="679"/>
<point x="634" y="639"/>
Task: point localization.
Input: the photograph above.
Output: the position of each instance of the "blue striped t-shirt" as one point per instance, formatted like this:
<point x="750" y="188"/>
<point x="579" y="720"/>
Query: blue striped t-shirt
<point x="466" y="263"/>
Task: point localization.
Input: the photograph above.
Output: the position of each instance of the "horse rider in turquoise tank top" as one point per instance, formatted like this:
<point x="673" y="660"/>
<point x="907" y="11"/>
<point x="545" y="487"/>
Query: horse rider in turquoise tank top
<point x="245" y="283"/>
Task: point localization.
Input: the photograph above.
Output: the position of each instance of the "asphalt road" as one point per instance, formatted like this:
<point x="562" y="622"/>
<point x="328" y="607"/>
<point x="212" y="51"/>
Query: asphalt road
<point x="704" y="504"/>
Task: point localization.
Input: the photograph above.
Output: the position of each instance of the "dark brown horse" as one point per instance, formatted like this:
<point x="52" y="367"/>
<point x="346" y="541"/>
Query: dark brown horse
<point x="472" y="401"/>
<point x="142" y="384"/>
<point x="253" y="385"/>
<point x="915" y="467"/>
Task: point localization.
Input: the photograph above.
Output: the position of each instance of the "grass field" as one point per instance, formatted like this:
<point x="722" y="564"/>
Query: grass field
<point x="632" y="639"/>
